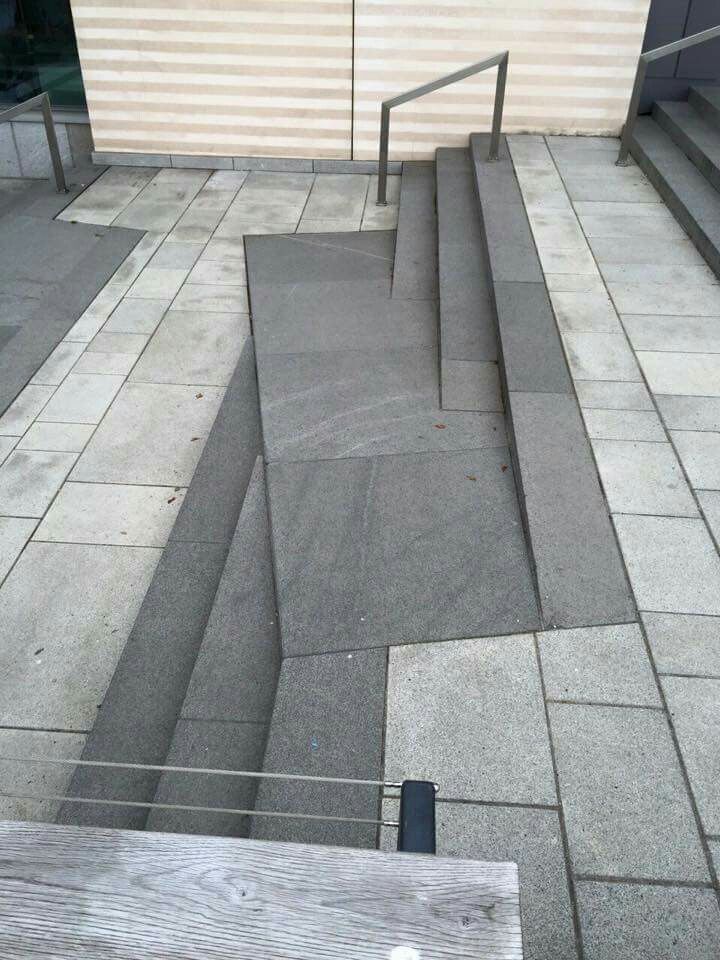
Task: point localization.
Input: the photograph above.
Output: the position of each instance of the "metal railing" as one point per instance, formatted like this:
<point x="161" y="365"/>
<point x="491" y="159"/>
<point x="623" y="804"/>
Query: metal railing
<point x="647" y="58"/>
<point x="500" y="60"/>
<point x="42" y="100"/>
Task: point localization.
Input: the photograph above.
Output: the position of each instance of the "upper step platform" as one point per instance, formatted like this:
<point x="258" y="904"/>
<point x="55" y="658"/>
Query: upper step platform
<point x="697" y="137"/>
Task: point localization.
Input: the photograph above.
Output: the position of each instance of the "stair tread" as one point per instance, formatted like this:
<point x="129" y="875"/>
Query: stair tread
<point x="415" y="270"/>
<point x="697" y="137"/>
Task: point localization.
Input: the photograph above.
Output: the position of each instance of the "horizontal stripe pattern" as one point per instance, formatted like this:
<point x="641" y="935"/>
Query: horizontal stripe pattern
<point x="275" y="77"/>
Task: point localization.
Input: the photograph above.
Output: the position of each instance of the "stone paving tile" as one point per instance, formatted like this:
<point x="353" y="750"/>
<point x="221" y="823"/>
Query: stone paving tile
<point x="136" y="260"/>
<point x="655" y="549"/>
<point x="606" y="182"/>
<point x="647" y="250"/>
<point x="337" y="197"/>
<point x="627" y="811"/>
<point x="138" y="516"/>
<point x="330" y="226"/>
<point x="36" y="778"/>
<point x="23" y="411"/>
<point x="684" y="644"/>
<point x="81" y="398"/>
<point x="230" y="249"/>
<point x="643" y="478"/>
<point x="693" y="706"/>
<point x="613" y="395"/>
<point x="218" y="272"/>
<point x="225" y="180"/>
<point x="90" y="321"/>
<point x="197" y="224"/>
<point x="600" y="356"/>
<point x="681" y="334"/>
<point x="542" y="189"/>
<point x="574" y="283"/>
<point x="30" y="479"/>
<point x="7" y="445"/>
<point x="14" y="534"/>
<point x="699" y="453"/>
<point x="578" y="262"/>
<point x="684" y="374"/>
<point x="690" y="413"/>
<point x="530" y="838"/>
<point x="136" y="315"/>
<point x="160" y="204"/>
<point x="277" y="188"/>
<point x="193" y="348"/>
<point x="158" y="283"/>
<point x="598" y="664"/>
<point x="212" y="298"/>
<point x="557" y="230"/>
<point x="491" y="744"/>
<point x="58" y="364"/>
<point x="651" y="273"/>
<point x="108" y="196"/>
<point x="153" y="433"/>
<point x="115" y="364"/>
<point x="657" y="299"/>
<point x="108" y="342"/>
<point x="647" y="922"/>
<point x="623" y="425"/>
<point x="64" y="629"/>
<point x="710" y="505"/>
<point x="57" y="437"/>
<point x="263" y="210"/>
<point x="232" y="227"/>
<point x="628" y="225"/>
<point x="176" y="256"/>
<point x="584" y="311"/>
<point x="379" y="218"/>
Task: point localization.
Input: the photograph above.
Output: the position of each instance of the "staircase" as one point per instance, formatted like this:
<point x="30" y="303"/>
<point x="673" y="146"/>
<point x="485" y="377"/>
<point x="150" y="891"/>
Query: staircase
<point x="678" y="147"/>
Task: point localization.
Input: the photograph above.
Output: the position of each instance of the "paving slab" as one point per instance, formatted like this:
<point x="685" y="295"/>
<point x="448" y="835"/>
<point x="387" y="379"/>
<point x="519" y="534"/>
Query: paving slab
<point x="638" y="221"/>
<point x="710" y="505"/>
<point x="217" y="272"/>
<point x="613" y="395"/>
<point x="643" y="478"/>
<point x="114" y="364"/>
<point x="211" y="298"/>
<point x="655" y="548"/>
<point x="577" y="262"/>
<point x="328" y="720"/>
<point x="58" y="364"/>
<point x="14" y="534"/>
<point x="36" y="778"/>
<point x="233" y="227"/>
<point x="57" y="437"/>
<point x="640" y="425"/>
<point x="600" y="356"/>
<point x="193" y="347"/>
<point x="679" y="334"/>
<point x="65" y="629"/>
<point x="161" y="203"/>
<point x="557" y="230"/>
<point x="583" y="311"/>
<point x="108" y="342"/>
<point x="580" y="575"/>
<point x="400" y="529"/>
<point x="337" y="196"/>
<point x="136" y="315"/>
<point x="176" y="255"/>
<point x="415" y="275"/>
<point x="658" y="299"/>
<point x="492" y="744"/>
<point x="690" y="413"/>
<point x="699" y="453"/>
<point x="96" y="313"/>
<point x="647" y="922"/>
<point x="325" y="256"/>
<point x="198" y="223"/>
<point x="634" y="274"/>
<point x="277" y="187"/>
<point x="81" y="398"/>
<point x="30" y="479"/>
<point x="158" y="283"/>
<point x="471" y="385"/>
<point x="684" y="644"/>
<point x="598" y="665"/>
<point x="367" y="404"/>
<point x="21" y="414"/>
<point x="569" y="283"/>
<point x="647" y="250"/>
<point x="225" y="249"/>
<point x="153" y="433"/>
<point x="684" y="374"/>
<point x="617" y="769"/>
<point x="468" y="329"/>
<point x="107" y="197"/>
<point x="692" y="703"/>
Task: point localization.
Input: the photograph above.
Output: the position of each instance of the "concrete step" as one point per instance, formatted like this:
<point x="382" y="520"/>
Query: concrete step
<point x="579" y="572"/>
<point x="698" y="139"/>
<point x="224" y="720"/>
<point x="685" y="190"/>
<point x="706" y="100"/>
<point x="139" y="714"/>
<point x="468" y="341"/>
<point x="415" y="270"/>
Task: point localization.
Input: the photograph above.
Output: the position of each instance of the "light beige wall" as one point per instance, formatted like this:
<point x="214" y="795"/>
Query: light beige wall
<point x="276" y="77"/>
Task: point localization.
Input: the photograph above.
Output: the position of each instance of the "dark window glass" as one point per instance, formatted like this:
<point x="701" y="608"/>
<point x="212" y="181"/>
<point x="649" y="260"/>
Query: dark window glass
<point x="38" y="52"/>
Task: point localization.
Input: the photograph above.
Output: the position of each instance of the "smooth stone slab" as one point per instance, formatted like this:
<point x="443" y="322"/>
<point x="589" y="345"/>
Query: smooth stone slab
<point x="532" y="355"/>
<point x="211" y="298"/>
<point x="14" y="534"/>
<point x="651" y="273"/>
<point x="684" y="374"/>
<point x="217" y="272"/>
<point x="64" y="629"/>
<point x="585" y="311"/>
<point x="176" y="255"/>
<point x="107" y="197"/>
<point x="194" y="348"/>
<point x="636" y="221"/>
<point x="470" y="385"/>
<point x="655" y="549"/>
<point x="681" y="334"/>
<point x="115" y="364"/>
<point x="414" y="273"/>
<point x="613" y="395"/>
<point x="627" y="811"/>
<point x="557" y="230"/>
<point x="467" y="317"/>
<point x="600" y="356"/>
<point x="7" y="445"/>
<point x="21" y="414"/>
<point x="492" y="744"/>
<point x="81" y="398"/>
<point x="684" y="644"/>
<point x="144" y="697"/>
<point x="642" y="425"/>
<point x="36" y="778"/>
<point x="135" y="315"/>
<point x="129" y="343"/>
<point x="225" y="249"/>
<point x="690" y="413"/>
<point x="646" y="250"/>
<point x="693" y="706"/>
<point x="400" y="530"/>
<point x="598" y="665"/>
<point x="327" y="721"/>
<point x="58" y="364"/>
<point x="323" y="256"/>
<point x="140" y="516"/>
<point x="647" y="922"/>
<point x="57" y="437"/>
<point x="367" y="403"/>
<point x="643" y="478"/>
<point x="579" y="569"/>
<point x="710" y="505"/>
<point x="699" y="454"/>
<point x="153" y="433"/>
<point x="337" y="196"/>
<point x="30" y="479"/>
<point x="158" y="283"/>
<point x="658" y="299"/>
<point x="96" y="313"/>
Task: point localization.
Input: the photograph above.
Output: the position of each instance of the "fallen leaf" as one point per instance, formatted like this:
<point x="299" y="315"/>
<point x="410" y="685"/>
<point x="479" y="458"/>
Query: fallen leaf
<point x="198" y="396"/>
<point x="503" y="467"/>
<point x="470" y="477"/>
<point x="439" y="426"/>
<point x="38" y="652"/>
<point x="193" y="439"/>
<point x="171" y="499"/>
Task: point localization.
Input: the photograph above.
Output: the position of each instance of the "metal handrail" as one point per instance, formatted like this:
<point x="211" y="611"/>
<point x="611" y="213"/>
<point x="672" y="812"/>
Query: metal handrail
<point x="500" y="60"/>
<point x="42" y="100"/>
<point x="645" y="59"/>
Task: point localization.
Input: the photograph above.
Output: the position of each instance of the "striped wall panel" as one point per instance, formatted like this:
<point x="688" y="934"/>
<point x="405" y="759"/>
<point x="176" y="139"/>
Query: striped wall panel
<point x="223" y="77"/>
<point x="281" y="78"/>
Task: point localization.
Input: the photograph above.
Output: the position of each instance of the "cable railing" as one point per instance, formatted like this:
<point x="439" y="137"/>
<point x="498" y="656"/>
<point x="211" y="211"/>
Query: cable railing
<point x="645" y="60"/>
<point x="42" y="100"/>
<point x="500" y="60"/>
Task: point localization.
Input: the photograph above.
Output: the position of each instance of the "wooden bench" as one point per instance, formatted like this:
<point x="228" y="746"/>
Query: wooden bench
<point x="81" y="893"/>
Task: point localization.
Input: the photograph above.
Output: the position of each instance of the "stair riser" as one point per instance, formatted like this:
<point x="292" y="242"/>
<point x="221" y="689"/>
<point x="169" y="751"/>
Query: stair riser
<point x="705" y="165"/>
<point x="706" y="108"/>
<point x="694" y="229"/>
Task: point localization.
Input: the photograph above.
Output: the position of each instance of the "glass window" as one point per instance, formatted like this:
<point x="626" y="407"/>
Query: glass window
<point x="38" y="52"/>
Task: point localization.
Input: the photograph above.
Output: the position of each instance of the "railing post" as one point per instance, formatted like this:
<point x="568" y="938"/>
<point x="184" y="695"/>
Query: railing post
<point x="383" y="158"/>
<point x="633" y="107"/>
<point x="53" y="144"/>
<point x="498" y="110"/>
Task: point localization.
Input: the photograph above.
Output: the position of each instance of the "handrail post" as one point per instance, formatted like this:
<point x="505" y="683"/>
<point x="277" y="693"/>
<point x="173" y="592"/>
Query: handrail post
<point x="498" y="109"/>
<point x="633" y="107"/>
<point x="53" y="144"/>
<point x="383" y="158"/>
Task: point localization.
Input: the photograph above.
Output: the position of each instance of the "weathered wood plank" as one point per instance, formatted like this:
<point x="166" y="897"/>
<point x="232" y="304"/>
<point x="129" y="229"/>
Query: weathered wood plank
<point x="97" y="894"/>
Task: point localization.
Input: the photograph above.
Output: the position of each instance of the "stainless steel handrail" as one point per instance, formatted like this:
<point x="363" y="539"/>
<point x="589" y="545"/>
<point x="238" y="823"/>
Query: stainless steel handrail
<point x="646" y="58"/>
<point x="500" y="60"/>
<point x="42" y="100"/>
